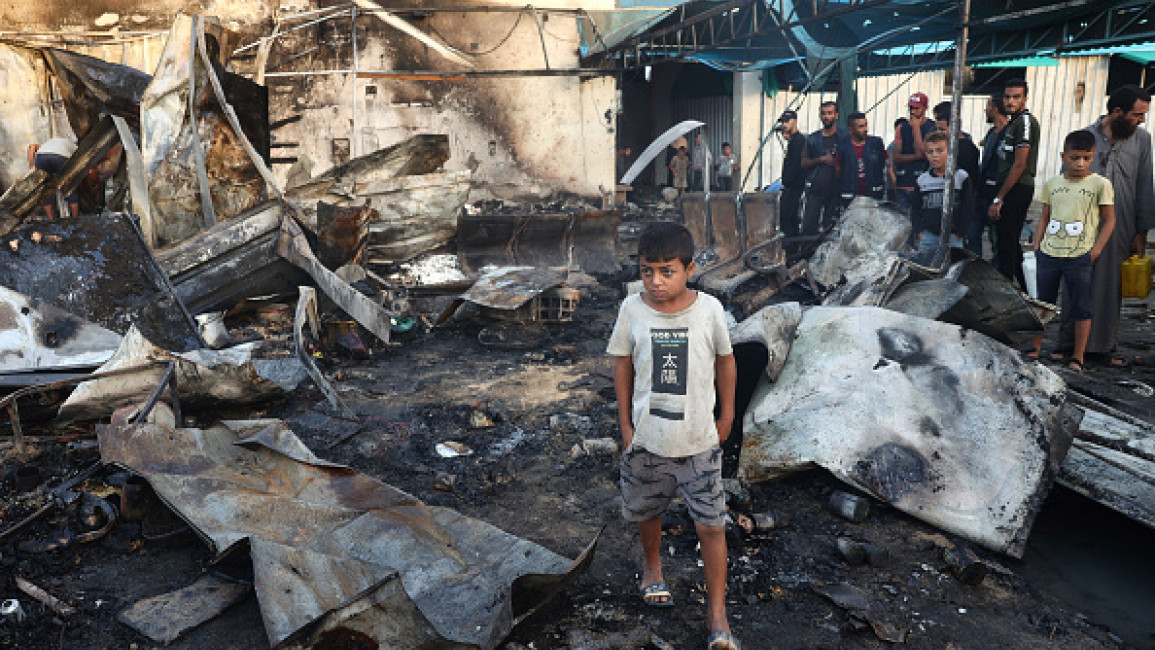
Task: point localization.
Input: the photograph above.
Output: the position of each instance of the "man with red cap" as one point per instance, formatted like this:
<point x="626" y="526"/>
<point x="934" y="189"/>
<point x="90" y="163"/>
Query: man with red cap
<point x="909" y="156"/>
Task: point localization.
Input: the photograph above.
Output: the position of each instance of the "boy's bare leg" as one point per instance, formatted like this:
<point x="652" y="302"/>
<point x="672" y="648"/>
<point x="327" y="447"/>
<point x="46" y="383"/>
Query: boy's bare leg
<point x="1082" y="333"/>
<point x="713" y="540"/>
<point x="1037" y="345"/>
<point x="651" y="534"/>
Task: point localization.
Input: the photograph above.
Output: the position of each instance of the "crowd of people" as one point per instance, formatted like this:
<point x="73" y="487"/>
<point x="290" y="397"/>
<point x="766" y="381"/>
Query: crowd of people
<point x="1095" y="214"/>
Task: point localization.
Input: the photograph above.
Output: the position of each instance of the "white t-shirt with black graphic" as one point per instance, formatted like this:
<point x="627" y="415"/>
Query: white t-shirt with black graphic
<point x="673" y="357"/>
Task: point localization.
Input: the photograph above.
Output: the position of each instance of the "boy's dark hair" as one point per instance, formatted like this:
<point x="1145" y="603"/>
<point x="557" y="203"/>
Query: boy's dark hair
<point x="856" y="115"/>
<point x="941" y="111"/>
<point x="1079" y="141"/>
<point x="725" y="144"/>
<point x="662" y="241"/>
<point x="899" y="121"/>
<point x="1017" y="83"/>
<point x="828" y="103"/>
<point x="681" y="148"/>
<point x="1125" y="97"/>
<point x="997" y="98"/>
<point x="936" y="136"/>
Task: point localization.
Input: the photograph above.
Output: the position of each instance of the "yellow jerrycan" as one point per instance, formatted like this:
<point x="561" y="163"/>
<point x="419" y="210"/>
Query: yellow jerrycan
<point x="1136" y="274"/>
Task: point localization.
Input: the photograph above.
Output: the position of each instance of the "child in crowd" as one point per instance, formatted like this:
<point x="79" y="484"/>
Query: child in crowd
<point x="926" y="202"/>
<point x="680" y="166"/>
<point x="671" y="345"/>
<point x="1078" y="218"/>
<point x="726" y="167"/>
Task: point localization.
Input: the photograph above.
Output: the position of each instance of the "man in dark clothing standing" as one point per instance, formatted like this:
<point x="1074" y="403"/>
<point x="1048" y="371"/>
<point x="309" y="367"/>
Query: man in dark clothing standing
<point x="986" y="183"/>
<point x="820" y="160"/>
<point x="793" y="178"/>
<point x="1122" y="156"/>
<point x="863" y="161"/>
<point x="909" y="154"/>
<point x="1018" y="157"/>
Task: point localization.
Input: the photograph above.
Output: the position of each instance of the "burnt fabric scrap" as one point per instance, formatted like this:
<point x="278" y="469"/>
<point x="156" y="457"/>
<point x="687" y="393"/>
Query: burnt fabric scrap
<point x="332" y="547"/>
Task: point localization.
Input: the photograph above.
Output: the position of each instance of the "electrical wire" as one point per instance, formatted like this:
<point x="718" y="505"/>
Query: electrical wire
<point x="491" y="50"/>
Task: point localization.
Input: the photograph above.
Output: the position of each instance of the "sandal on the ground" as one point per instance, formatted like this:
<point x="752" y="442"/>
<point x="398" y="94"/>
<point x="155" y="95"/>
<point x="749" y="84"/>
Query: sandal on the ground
<point x="657" y="595"/>
<point x="720" y="640"/>
<point x="1075" y="366"/>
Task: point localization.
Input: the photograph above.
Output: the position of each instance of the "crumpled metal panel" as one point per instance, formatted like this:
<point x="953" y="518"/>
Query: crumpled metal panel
<point x="511" y="287"/>
<point x="36" y="335"/>
<point x="324" y="537"/>
<point x="945" y="424"/>
<point x="205" y="378"/>
<point x="92" y="87"/>
<point x="993" y="306"/>
<point x="98" y="267"/>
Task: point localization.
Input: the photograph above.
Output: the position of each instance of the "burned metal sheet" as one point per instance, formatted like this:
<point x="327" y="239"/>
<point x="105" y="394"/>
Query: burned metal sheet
<point x="99" y="268"/>
<point x="37" y="336"/>
<point x="330" y="543"/>
<point x="164" y="618"/>
<point x="927" y="299"/>
<point x="945" y="424"/>
<point x="92" y="87"/>
<point x="727" y="236"/>
<point x="773" y="327"/>
<point x="694" y="218"/>
<point x="293" y="246"/>
<point x="205" y="378"/>
<point x="994" y="306"/>
<point x="587" y="239"/>
<point x="866" y="240"/>
<point x="415" y="214"/>
<point x="761" y="210"/>
<point x="511" y="287"/>
<point x="421" y="154"/>
<point x="233" y="260"/>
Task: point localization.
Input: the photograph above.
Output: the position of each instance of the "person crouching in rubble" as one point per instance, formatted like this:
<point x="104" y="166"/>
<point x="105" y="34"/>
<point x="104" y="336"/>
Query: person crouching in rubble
<point x="1078" y="218"/>
<point x="671" y="346"/>
<point x="929" y="190"/>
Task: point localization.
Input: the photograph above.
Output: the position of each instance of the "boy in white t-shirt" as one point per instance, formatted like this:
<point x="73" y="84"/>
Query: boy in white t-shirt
<point x="671" y="346"/>
<point x="1078" y="218"/>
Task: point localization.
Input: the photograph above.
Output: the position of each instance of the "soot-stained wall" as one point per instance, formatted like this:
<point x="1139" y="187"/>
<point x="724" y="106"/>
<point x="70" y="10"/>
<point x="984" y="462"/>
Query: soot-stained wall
<point x="523" y="136"/>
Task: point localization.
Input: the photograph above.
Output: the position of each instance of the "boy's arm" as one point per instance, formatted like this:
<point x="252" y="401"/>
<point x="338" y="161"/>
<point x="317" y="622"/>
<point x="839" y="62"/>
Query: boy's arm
<point x="624" y="390"/>
<point x="726" y="376"/>
<point x="1106" y="227"/>
<point x="1046" y="218"/>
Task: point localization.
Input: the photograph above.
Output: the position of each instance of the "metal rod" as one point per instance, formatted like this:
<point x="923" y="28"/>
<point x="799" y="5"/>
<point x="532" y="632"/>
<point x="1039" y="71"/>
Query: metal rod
<point x="541" y="35"/>
<point x="942" y="255"/>
<point x="353" y="84"/>
<point x="156" y="393"/>
<point x="257" y="43"/>
<point x="210" y="217"/>
<point x="407" y="74"/>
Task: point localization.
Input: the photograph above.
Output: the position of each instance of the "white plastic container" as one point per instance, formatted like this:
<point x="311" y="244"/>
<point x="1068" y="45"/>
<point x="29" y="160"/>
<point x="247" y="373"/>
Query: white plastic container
<point x="1029" y="274"/>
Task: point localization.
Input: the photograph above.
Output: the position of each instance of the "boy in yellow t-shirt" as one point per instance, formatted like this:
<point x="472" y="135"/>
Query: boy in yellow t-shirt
<point x="1078" y="217"/>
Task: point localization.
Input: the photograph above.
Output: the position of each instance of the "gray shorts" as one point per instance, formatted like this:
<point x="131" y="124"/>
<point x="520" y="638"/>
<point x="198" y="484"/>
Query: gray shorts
<point x="650" y="481"/>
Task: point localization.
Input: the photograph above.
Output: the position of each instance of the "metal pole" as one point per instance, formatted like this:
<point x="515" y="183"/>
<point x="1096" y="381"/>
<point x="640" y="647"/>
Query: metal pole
<point x="942" y="255"/>
<point x="353" y="84"/>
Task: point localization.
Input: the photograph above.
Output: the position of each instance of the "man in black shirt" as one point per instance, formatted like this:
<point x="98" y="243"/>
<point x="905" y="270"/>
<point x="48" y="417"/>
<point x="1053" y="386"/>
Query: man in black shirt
<point x="909" y="156"/>
<point x="793" y="179"/>
<point x="820" y="160"/>
<point x="986" y="183"/>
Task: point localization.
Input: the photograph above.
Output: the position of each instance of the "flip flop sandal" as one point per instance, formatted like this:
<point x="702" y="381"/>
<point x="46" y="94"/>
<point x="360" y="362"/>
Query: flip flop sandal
<point x="720" y="640"/>
<point x="654" y="594"/>
<point x="1074" y="366"/>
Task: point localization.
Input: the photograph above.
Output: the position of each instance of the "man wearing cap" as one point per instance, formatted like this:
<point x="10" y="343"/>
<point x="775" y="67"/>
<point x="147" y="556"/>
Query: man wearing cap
<point x="820" y="160"/>
<point x="793" y="179"/>
<point x="1018" y="157"/>
<point x="863" y="161"/>
<point x="909" y="156"/>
